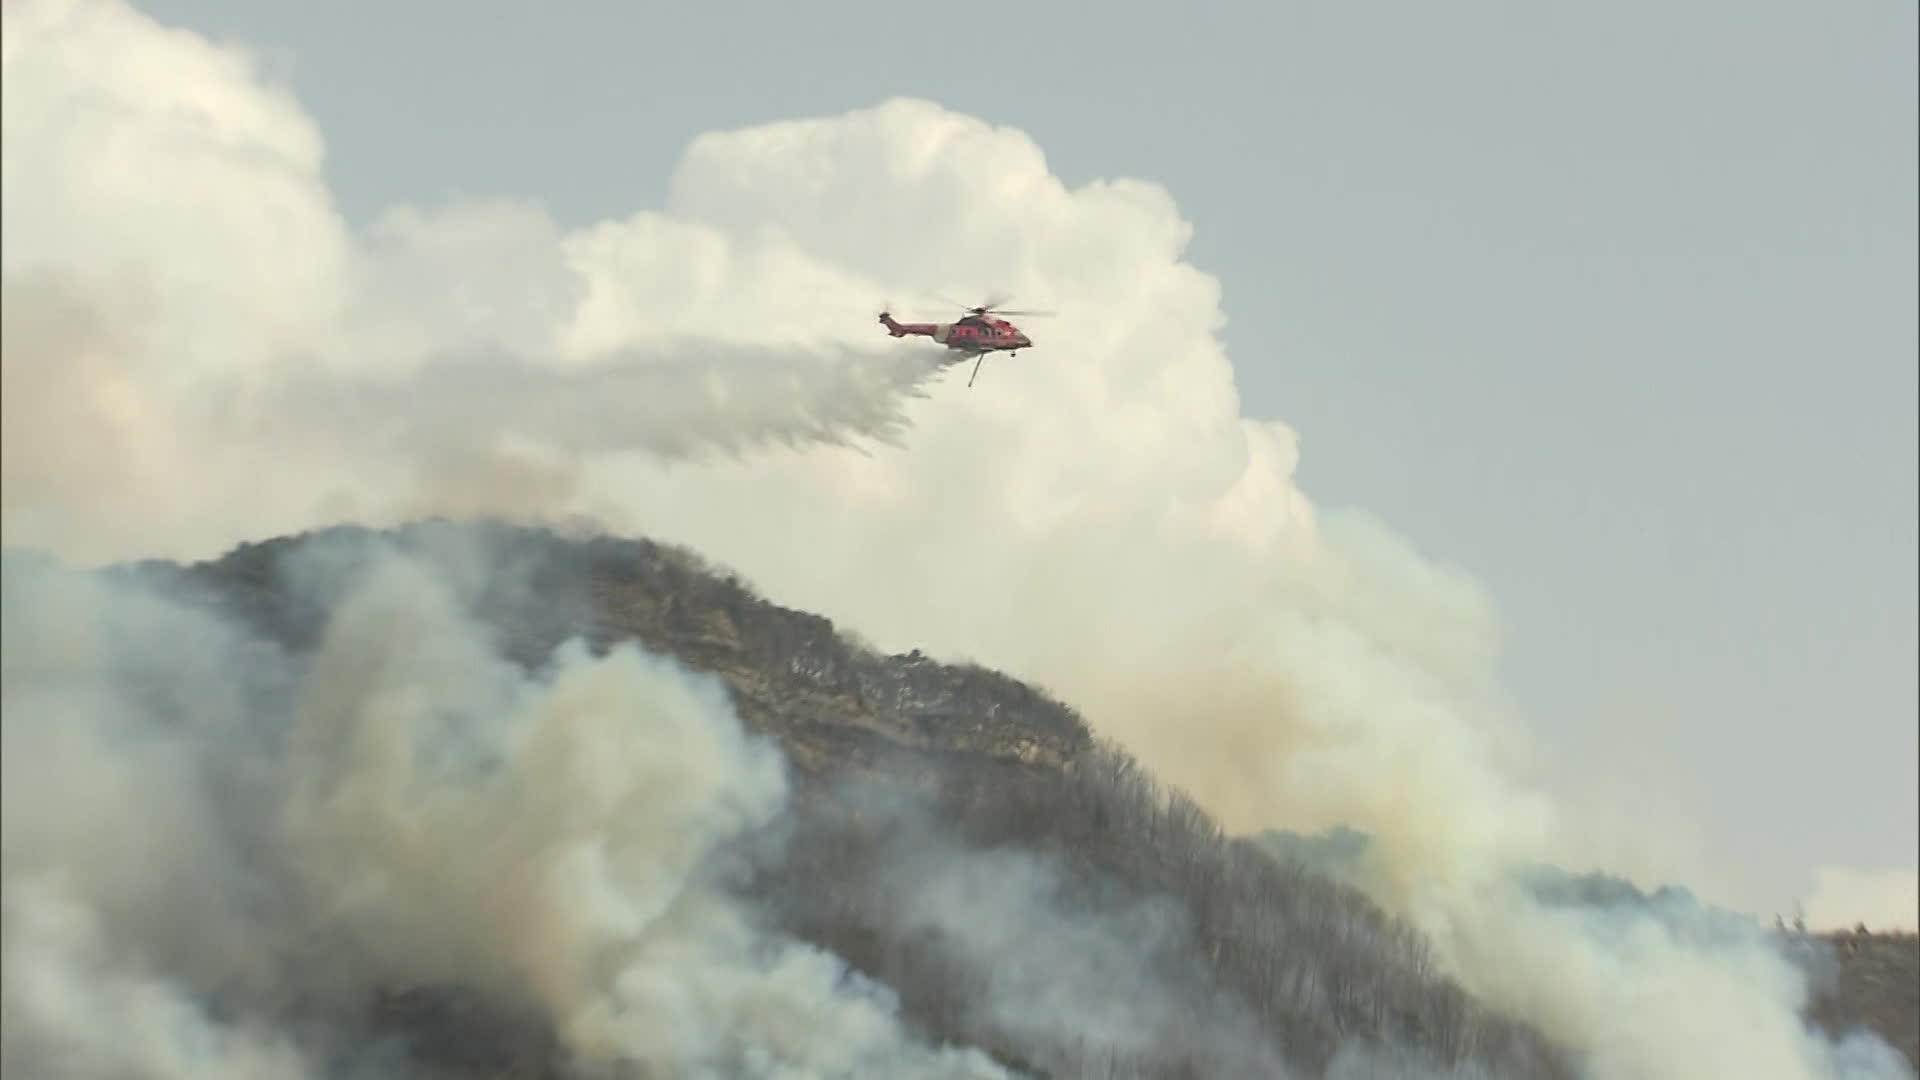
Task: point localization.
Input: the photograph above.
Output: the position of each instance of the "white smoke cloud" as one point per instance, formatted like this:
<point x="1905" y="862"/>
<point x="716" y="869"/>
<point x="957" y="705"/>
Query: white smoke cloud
<point x="194" y="335"/>
<point x="69" y="1001"/>
<point x="1095" y="515"/>
<point x="163" y="169"/>
<point x="1656" y="991"/>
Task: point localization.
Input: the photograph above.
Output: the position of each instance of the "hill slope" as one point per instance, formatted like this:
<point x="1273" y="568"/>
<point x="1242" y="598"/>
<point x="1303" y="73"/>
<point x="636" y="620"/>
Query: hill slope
<point x="1004" y="881"/>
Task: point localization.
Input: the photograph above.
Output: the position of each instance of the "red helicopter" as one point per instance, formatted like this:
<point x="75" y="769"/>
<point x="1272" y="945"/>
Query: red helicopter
<point x="974" y="334"/>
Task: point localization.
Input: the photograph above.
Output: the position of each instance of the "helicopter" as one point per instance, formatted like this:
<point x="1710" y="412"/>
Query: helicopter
<point x="976" y="333"/>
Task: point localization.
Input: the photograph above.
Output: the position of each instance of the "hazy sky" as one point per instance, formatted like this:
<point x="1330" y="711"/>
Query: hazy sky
<point x="1612" y="306"/>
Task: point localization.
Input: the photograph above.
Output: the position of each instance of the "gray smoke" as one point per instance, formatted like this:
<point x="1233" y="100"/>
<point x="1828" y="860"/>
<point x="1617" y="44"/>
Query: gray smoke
<point x="205" y="837"/>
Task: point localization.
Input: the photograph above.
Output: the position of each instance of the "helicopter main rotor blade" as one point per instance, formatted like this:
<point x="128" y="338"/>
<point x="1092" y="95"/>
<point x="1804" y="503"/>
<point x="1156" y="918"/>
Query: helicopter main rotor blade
<point x="990" y="307"/>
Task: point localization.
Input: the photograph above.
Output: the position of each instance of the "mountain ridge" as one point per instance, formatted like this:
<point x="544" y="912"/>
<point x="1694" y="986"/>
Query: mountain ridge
<point x="1275" y="962"/>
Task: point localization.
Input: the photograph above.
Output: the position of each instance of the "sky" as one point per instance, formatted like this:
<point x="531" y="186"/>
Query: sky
<point x="1611" y="309"/>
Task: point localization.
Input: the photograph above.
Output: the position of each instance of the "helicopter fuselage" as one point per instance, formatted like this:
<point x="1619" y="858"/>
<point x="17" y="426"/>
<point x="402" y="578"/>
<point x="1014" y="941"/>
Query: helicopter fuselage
<point x="973" y="334"/>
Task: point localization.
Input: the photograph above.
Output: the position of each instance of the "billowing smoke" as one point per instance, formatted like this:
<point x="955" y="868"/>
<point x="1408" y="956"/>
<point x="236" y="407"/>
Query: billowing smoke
<point x="199" y="351"/>
<point x="196" y="826"/>
<point x="197" y="348"/>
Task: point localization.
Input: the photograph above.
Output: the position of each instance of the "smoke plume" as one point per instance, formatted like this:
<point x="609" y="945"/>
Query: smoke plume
<point x="199" y="350"/>
<point x="196" y="824"/>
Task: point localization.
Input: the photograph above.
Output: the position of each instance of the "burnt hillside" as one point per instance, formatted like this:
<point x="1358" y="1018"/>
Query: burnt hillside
<point x="832" y="703"/>
<point x="1255" y="960"/>
<point x="913" y="776"/>
<point x="1872" y="980"/>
